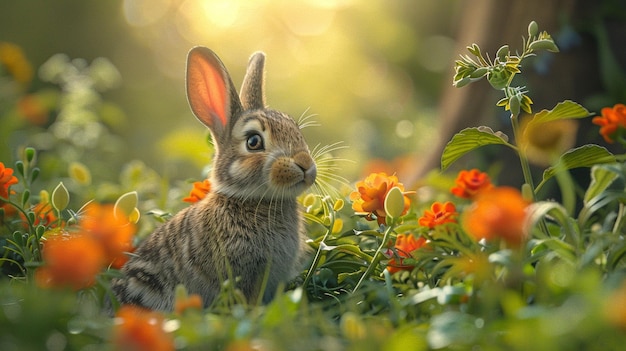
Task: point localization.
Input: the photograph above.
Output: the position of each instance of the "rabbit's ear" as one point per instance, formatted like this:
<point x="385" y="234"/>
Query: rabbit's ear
<point x="210" y="90"/>
<point x="252" y="96"/>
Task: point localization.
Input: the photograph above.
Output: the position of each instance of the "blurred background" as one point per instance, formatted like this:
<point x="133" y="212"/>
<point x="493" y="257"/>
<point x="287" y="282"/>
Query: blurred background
<point x="376" y="74"/>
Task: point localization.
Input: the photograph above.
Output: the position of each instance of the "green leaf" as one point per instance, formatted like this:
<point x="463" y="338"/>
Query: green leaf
<point x="602" y="176"/>
<point x="564" y="110"/>
<point x="584" y="156"/>
<point x="467" y="140"/>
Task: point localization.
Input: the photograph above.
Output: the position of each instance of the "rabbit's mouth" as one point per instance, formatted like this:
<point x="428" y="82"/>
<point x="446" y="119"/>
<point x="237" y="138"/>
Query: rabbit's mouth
<point x="296" y="173"/>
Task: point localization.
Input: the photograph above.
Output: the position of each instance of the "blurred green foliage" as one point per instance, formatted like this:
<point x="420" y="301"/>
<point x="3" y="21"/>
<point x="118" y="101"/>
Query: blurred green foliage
<point x="370" y="72"/>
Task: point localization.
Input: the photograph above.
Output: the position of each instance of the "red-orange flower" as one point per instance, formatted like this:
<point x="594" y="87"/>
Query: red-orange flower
<point x="371" y="193"/>
<point x="70" y="261"/>
<point x="138" y="329"/>
<point x="439" y="213"/>
<point x="199" y="191"/>
<point x="405" y="245"/>
<point x="611" y="121"/>
<point x="469" y="183"/>
<point x="497" y="213"/>
<point x="44" y="214"/>
<point x="6" y="180"/>
<point x="114" y="233"/>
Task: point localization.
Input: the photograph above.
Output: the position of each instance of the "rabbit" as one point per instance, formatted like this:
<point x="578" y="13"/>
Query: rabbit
<point x="250" y="224"/>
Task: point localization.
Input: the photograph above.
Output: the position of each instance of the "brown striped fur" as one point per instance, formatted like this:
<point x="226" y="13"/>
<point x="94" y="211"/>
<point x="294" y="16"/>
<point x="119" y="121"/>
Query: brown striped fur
<point x="250" y="223"/>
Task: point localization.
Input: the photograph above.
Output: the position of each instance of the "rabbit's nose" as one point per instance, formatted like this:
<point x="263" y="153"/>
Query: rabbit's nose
<point x="307" y="165"/>
<point x="310" y="174"/>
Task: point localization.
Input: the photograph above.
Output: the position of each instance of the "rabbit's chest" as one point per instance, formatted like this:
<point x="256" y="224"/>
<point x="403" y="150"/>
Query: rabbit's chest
<point x="257" y="230"/>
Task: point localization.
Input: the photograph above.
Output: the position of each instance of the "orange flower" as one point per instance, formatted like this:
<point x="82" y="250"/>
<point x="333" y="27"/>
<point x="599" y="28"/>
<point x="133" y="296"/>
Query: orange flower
<point x="199" y="191"/>
<point x="193" y="301"/>
<point x="405" y="245"/>
<point x="439" y="213"/>
<point x="138" y="329"/>
<point x="6" y="180"/>
<point x="371" y="193"/>
<point x="615" y="307"/>
<point x="44" y="214"/>
<point x="497" y="213"/>
<point x="114" y="233"/>
<point x="469" y="183"/>
<point x="612" y="121"/>
<point x="33" y="110"/>
<point x="70" y="261"/>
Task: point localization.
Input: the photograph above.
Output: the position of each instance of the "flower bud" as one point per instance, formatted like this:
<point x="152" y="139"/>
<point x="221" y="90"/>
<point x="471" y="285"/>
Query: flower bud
<point x="338" y="205"/>
<point x="533" y="29"/>
<point x="126" y="204"/>
<point x="60" y="197"/>
<point x="394" y="203"/>
<point x="30" y="154"/>
<point x="514" y="105"/>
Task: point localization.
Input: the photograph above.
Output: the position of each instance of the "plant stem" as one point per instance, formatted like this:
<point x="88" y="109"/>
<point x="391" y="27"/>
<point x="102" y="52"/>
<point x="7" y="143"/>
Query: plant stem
<point x="318" y="254"/>
<point x="377" y="256"/>
<point x="528" y="178"/>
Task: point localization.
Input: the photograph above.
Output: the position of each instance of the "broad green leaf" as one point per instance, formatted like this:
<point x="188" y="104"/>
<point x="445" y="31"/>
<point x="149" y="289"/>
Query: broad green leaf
<point x="602" y="176"/>
<point x="564" y="110"/>
<point x="584" y="156"/>
<point x="465" y="141"/>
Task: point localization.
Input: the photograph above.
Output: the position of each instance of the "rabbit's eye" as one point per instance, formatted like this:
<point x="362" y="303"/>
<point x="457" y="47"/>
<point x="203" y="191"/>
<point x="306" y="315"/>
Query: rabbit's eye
<point x="255" y="143"/>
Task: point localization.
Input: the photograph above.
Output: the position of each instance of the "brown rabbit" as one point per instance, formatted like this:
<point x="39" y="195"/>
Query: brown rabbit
<point x="250" y="223"/>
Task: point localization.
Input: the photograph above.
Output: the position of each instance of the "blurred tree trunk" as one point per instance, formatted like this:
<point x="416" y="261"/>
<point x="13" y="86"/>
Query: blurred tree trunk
<point x="574" y="73"/>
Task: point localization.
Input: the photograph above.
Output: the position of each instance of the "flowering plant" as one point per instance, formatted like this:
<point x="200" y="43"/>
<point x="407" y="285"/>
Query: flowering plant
<point x="468" y="265"/>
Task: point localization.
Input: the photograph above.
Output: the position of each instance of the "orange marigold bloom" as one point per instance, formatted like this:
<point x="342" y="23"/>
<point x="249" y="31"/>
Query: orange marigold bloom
<point x="439" y="213"/>
<point x="115" y="233"/>
<point x="469" y="183"/>
<point x="371" y="193"/>
<point x="6" y="180"/>
<point x="44" y="214"/>
<point x="199" y="191"/>
<point x="70" y="261"/>
<point x="405" y="245"/>
<point x="612" y="119"/>
<point x="497" y="213"/>
<point x="138" y="329"/>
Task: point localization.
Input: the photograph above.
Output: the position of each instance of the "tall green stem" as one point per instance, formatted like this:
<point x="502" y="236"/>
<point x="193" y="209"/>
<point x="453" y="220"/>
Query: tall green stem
<point x="318" y="255"/>
<point x="377" y="256"/>
<point x="528" y="177"/>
